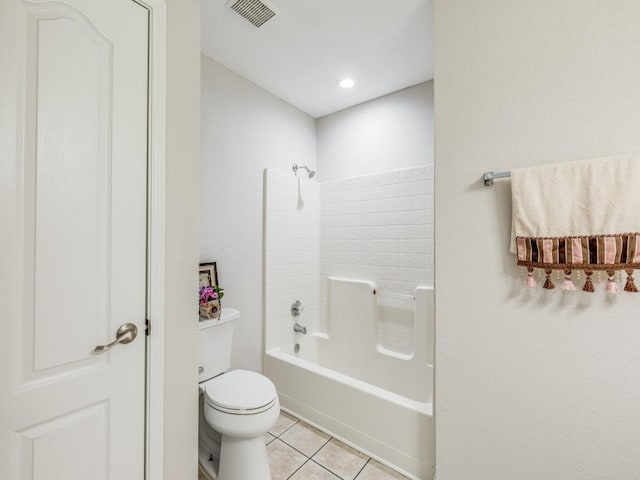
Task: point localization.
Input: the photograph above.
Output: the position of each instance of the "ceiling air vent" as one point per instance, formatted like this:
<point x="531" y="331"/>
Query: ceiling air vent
<point x="254" y="11"/>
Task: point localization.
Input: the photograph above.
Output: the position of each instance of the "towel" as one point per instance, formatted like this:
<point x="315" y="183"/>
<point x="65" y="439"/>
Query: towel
<point x="581" y="215"/>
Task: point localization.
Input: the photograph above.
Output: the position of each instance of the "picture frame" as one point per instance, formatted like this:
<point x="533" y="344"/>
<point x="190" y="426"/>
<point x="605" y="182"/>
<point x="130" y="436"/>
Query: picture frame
<point x="208" y="277"/>
<point x="208" y="274"/>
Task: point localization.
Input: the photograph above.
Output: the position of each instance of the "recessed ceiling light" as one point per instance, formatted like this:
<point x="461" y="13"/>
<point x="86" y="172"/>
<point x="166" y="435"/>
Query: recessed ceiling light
<point x="347" y="83"/>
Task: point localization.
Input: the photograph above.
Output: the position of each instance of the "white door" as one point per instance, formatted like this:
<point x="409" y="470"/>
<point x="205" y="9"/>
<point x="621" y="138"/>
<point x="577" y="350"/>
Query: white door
<point x="73" y="170"/>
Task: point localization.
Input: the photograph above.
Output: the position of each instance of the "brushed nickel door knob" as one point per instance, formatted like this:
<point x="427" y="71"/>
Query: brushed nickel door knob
<point x="127" y="333"/>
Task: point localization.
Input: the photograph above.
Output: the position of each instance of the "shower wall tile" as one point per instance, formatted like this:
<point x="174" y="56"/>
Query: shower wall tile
<point x="374" y="222"/>
<point x="291" y="253"/>
<point x="379" y="227"/>
<point x="375" y="227"/>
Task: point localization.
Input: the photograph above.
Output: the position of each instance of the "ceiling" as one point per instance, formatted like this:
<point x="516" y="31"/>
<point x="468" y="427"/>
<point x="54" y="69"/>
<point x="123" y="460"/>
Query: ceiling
<point x="302" y="53"/>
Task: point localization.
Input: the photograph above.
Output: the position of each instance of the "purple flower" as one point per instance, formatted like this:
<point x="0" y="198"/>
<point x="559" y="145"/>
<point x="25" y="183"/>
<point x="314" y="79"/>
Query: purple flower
<point x="207" y="294"/>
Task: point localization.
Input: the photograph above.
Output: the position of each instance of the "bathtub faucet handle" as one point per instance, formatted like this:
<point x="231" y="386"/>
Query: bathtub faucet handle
<point x="299" y="328"/>
<point x="296" y="308"/>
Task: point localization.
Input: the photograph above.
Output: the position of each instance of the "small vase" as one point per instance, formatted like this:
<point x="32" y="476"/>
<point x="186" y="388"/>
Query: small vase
<point x="211" y="309"/>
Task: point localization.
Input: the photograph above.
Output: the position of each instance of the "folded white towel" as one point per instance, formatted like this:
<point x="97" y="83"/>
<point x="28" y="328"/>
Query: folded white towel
<point x="588" y="197"/>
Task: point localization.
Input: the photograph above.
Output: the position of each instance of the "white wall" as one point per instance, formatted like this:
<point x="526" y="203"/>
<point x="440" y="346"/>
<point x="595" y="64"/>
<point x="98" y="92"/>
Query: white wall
<point x="244" y="131"/>
<point x="390" y="132"/>
<point x="529" y="384"/>
<point x="181" y="223"/>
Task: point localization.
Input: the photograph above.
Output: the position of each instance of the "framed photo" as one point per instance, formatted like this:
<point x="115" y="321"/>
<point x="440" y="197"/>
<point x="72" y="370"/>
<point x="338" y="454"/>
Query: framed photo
<point x="208" y="275"/>
<point x="210" y="292"/>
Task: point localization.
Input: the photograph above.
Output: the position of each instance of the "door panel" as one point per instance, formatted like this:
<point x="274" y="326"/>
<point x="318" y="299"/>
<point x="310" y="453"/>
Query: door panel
<point x="50" y="449"/>
<point x="69" y="74"/>
<point x="74" y="203"/>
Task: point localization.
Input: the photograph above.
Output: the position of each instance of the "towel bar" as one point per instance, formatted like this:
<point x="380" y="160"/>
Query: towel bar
<point x="489" y="176"/>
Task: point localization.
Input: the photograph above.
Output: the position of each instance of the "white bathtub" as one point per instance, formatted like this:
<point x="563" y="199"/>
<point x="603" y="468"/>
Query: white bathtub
<point x="347" y="383"/>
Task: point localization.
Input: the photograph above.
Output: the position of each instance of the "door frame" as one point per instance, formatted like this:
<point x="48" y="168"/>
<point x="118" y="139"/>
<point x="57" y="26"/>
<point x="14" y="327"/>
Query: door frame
<point x="156" y="197"/>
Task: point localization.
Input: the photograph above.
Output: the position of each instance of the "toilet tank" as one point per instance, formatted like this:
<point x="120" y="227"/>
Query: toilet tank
<point x="214" y="344"/>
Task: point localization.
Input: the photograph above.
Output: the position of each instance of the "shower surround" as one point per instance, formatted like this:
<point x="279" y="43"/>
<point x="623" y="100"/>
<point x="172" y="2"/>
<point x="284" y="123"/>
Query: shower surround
<point x="358" y="254"/>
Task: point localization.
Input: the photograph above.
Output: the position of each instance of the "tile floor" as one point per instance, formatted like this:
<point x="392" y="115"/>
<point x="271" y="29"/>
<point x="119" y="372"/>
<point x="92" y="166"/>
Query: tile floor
<point x="297" y="451"/>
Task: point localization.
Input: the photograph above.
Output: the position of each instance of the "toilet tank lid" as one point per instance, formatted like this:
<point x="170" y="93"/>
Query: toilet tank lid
<point x="228" y="315"/>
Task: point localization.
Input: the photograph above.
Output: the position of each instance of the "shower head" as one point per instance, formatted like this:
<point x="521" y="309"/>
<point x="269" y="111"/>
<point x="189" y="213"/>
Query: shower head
<point x="310" y="172"/>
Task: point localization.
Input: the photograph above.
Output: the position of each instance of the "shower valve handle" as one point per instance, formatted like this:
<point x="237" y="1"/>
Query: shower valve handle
<point x="296" y="308"/>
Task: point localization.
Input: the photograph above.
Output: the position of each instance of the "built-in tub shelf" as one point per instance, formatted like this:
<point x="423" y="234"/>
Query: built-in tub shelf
<point x="396" y="325"/>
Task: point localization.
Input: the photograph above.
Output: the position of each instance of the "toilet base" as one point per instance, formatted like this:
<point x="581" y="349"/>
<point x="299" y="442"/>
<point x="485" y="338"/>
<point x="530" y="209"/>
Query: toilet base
<point x="207" y="463"/>
<point x="243" y="459"/>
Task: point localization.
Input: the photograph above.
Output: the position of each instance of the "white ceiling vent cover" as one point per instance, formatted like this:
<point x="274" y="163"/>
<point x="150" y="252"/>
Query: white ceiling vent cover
<point x="254" y="11"/>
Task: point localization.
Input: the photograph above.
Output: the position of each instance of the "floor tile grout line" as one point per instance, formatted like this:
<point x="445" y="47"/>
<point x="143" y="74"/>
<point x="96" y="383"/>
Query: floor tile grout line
<point x="327" y="469"/>
<point x="294" y="448"/>
<point x="307" y="457"/>
<point x="357" y="450"/>
<point x="300" y="451"/>
<point x="310" y="458"/>
<point x="285" y="431"/>
<point x="323" y="445"/>
<point x="365" y="464"/>
<point x="297" y="469"/>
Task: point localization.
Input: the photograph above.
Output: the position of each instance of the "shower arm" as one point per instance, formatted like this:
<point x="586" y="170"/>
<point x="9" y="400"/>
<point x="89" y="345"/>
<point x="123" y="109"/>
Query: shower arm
<point x="310" y="172"/>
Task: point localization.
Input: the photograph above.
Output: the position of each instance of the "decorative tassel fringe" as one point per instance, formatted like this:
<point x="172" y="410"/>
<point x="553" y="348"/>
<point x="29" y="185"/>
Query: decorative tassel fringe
<point x="531" y="283"/>
<point x="630" y="286"/>
<point x="568" y="285"/>
<point x="611" y="282"/>
<point x="548" y="284"/>
<point x="588" y="285"/>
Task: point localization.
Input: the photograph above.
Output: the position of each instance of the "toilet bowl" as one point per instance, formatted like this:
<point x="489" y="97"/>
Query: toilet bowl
<point x="241" y="406"/>
<point x="237" y="407"/>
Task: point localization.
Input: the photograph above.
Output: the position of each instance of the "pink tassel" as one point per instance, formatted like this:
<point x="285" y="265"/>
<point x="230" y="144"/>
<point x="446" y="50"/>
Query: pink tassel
<point x="611" y="283"/>
<point x="568" y="285"/>
<point x="531" y="283"/>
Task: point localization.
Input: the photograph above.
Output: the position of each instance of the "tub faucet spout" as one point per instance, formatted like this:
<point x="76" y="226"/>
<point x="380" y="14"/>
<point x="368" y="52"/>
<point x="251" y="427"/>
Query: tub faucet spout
<point x="299" y="328"/>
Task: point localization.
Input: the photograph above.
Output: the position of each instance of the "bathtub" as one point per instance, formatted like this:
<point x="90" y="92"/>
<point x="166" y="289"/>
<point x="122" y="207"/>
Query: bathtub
<point x="348" y="381"/>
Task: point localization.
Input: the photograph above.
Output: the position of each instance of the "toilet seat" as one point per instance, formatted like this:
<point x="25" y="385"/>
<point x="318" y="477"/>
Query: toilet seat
<point x="240" y="392"/>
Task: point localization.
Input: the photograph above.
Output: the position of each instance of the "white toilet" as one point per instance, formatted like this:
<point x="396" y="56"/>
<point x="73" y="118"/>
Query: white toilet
<point x="236" y="408"/>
